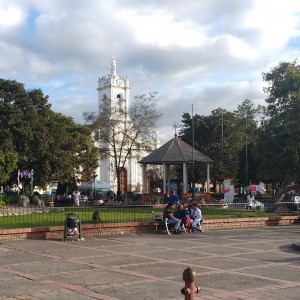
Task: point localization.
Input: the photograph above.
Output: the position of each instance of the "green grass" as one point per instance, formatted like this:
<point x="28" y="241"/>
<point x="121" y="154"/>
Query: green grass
<point x="57" y="218"/>
<point x="116" y="215"/>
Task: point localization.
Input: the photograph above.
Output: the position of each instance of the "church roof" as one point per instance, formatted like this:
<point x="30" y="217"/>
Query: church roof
<point x="173" y="152"/>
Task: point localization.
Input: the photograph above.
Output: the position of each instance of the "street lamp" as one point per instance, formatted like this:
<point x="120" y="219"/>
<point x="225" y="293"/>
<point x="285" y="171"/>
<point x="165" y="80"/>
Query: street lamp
<point x="193" y="158"/>
<point x="222" y="149"/>
<point x="246" y="150"/>
<point x="94" y="188"/>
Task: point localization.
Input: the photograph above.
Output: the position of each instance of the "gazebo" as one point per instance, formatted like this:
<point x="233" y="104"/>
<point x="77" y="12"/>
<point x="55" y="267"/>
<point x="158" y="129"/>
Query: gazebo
<point x="174" y="152"/>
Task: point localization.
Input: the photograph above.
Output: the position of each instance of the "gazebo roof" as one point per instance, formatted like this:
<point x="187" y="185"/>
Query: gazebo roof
<point x="175" y="151"/>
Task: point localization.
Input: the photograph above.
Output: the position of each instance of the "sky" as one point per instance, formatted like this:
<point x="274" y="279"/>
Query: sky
<point x="202" y="54"/>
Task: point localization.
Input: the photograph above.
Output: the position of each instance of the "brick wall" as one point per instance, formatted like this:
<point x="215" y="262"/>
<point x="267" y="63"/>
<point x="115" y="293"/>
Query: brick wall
<point x="57" y="232"/>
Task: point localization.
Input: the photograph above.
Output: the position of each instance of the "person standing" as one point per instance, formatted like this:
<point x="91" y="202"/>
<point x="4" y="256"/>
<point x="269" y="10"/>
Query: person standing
<point x="250" y="201"/>
<point x="174" y="198"/>
<point x="76" y="195"/>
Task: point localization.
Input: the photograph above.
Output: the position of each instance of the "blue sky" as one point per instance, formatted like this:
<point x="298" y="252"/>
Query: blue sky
<point x="207" y="53"/>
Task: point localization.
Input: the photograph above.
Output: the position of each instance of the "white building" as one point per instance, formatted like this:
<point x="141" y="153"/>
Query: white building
<point x="114" y="101"/>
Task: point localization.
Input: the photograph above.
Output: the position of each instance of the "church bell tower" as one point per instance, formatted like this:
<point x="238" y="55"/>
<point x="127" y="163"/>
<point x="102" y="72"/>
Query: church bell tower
<point x="113" y="90"/>
<point x="114" y="97"/>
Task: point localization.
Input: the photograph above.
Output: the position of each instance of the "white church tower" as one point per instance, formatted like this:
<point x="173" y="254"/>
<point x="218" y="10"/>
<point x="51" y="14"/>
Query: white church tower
<point x="114" y="91"/>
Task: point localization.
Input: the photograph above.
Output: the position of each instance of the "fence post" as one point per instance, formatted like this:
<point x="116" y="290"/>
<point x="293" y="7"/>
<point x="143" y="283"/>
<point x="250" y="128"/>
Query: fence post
<point x="190" y="288"/>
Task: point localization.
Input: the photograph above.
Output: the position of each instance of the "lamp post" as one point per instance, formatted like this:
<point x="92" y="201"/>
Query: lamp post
<point x="193" y="158"/>
<point x="222" y="148"/>
<point x="246" y="150"/>
<point x="94" y="187"/>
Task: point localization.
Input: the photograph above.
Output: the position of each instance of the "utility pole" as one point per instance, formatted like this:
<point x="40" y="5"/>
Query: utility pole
<point x="222" y="149"/>
<point x="246" y="150"/>
<point x="193" y="159"/>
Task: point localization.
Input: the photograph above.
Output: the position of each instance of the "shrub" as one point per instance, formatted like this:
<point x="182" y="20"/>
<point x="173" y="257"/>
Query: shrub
<point x="10" y="198"/>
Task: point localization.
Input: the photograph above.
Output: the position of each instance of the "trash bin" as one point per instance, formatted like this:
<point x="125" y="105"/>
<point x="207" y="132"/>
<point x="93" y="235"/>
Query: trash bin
<point x="72" y="227"/>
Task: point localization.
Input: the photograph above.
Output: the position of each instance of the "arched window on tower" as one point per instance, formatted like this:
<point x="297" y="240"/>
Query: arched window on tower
<point x="121" y="102"/>
<point x="104" y="99"/>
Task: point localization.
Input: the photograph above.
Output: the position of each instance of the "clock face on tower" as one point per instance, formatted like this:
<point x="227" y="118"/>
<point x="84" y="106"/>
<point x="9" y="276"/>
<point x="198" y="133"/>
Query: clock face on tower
<point x="119" y="81"/>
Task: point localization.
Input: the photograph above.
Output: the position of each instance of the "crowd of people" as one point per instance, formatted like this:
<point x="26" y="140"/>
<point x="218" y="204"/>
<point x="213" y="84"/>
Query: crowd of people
<point x="72" y="199"/>
<point x="190" y="216"/>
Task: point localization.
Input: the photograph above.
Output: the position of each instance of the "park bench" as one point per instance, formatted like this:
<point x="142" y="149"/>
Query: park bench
<point x="159" y="222"/>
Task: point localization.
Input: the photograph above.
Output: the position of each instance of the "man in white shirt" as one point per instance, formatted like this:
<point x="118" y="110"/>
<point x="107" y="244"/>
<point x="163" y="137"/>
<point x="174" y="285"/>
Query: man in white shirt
<point x="76" y="195"/>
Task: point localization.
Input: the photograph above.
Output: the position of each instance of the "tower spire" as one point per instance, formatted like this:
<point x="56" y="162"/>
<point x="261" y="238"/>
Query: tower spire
<point x="113" y="66"/>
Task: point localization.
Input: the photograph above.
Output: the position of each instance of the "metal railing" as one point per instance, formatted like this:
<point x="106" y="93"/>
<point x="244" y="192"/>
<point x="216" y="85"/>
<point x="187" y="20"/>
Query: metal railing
<point x="22" y="217"/>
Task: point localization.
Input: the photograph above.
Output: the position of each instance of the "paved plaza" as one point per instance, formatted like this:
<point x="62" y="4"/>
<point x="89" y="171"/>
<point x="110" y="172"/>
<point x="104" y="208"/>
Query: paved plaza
<point x="229" y="264"/>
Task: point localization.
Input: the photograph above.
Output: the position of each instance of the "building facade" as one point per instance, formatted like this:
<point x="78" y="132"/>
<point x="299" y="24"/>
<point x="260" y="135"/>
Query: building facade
<point x="114" y="103"/>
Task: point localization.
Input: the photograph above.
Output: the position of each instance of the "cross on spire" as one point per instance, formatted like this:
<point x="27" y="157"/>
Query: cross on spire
<point x="175" y="126"/>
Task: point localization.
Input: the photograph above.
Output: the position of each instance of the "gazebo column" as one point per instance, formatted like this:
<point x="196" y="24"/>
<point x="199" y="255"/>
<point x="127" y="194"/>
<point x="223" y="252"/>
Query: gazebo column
<point x="184" y="171"/>
<point x="144" y="174"/>
<point x="207" y="179"/>
<point x="168" y="178"/>
<point x="164" y="179"/>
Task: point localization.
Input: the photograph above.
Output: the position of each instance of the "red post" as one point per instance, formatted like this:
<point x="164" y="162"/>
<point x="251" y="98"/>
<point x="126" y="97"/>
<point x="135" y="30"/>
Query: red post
<point x="190" y="288"/>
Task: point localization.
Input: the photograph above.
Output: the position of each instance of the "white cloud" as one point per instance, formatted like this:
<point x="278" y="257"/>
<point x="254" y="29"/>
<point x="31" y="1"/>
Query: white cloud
<point x="209" y="53"/>
<point x="276" y="20"/>
<point x="10" y="15"/>
<point x="160" y="28"/>
<point x="240" y="48"/>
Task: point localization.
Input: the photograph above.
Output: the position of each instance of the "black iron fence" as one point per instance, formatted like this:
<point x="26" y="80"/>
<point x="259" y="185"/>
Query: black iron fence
<point x="22" y="217"/>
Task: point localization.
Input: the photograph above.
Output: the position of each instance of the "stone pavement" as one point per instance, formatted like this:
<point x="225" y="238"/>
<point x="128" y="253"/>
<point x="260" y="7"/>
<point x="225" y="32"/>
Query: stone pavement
<point x="229" y="264"/>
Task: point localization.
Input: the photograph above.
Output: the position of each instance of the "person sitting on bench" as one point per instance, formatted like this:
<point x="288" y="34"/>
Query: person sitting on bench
<point x="168" y="214"/>
<point x="183" y="214"/>
<point x="196" y="217"/>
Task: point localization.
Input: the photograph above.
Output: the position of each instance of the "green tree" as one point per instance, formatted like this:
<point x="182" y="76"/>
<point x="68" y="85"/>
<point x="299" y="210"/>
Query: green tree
<point x="216" y="136"/>
<point x="223" y="136"/>
<point x="49" y="143"/>
<point x="8" y="163"/>
<point x="249" y="119"/>
<point x="278" y="148"/>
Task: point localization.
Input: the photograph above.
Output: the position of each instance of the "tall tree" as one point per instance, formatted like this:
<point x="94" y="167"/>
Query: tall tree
<point x="49" y="143"/>
<point x="218" y="137"/>
<point x="279" y="149"/>
<point x="121" y="132"/>
<point x="249" y="120"/>
<point x="223" y="137"/>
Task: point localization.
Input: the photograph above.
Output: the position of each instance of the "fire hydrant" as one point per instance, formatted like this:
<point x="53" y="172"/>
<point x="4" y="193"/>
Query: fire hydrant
<point x="190" y="288"/>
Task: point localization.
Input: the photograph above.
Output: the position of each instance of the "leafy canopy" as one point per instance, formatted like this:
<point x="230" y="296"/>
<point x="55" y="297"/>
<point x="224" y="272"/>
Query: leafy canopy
<point x="49" y="143"/>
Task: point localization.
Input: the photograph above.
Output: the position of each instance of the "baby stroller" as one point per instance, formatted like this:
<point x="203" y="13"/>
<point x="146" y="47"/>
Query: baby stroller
<point x="72" y="227"/>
